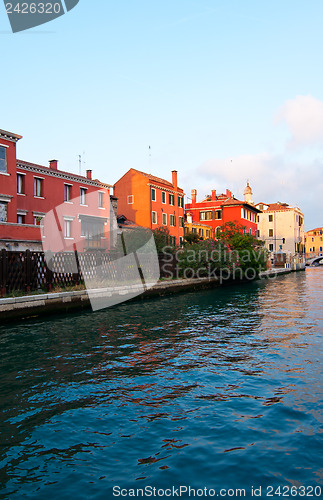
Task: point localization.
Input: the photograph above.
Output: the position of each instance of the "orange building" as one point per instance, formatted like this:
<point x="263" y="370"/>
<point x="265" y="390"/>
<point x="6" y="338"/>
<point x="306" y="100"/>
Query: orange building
<point x="152" y="202"/>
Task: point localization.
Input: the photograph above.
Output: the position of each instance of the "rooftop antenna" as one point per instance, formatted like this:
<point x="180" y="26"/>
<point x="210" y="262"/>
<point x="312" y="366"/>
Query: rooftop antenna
<point x="80" y="164"/>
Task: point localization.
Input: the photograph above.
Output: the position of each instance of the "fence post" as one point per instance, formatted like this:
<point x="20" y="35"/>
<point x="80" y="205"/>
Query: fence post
<point x="49" y="273"/>
<point x="27" y="270"/>
<point x="4" y="271"/>
<point x="77" y="277"/>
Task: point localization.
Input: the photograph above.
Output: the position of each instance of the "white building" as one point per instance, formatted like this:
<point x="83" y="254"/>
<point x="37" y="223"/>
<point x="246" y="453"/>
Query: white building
<point x="282" y="228"/>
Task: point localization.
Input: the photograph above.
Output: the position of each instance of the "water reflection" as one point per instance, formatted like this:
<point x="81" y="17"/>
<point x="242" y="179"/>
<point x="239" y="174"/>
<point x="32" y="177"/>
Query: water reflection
<point x="97" y="397"/>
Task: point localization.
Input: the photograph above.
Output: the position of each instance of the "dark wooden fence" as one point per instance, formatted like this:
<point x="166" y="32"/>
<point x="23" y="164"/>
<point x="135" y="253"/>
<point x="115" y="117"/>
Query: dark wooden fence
<point x="27" y="271"/>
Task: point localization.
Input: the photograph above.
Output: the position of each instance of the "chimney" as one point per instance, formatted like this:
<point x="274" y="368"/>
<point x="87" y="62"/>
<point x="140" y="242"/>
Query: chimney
<point x="174" y="179"/>
<point x="213" y="194"/>
<point x="89" y="174"/>
<point x="193" y="195"/>
<point x="229" y="194"/>
<point x="53" y="164"/>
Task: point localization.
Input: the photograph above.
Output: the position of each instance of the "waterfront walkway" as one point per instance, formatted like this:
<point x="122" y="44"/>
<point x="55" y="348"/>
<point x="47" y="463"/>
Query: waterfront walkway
<point x="45" y="303"/>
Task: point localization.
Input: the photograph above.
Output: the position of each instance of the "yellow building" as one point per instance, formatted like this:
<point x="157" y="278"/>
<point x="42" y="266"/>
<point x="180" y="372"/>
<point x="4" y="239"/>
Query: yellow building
<point x="202" y="230"/>
<point x="314" y="242"/>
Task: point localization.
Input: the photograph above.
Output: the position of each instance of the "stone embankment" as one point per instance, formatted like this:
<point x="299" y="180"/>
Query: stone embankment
<point x="48" y="303"/>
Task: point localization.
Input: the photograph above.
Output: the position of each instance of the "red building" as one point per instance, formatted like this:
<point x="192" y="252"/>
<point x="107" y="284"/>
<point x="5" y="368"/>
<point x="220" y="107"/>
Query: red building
<point x="28" y="192"/>
<point x="151" y="202"/>
<point x="215" y="210"/>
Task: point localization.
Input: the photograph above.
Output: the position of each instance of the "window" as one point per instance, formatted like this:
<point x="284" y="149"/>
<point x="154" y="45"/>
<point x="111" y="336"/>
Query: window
<point x="218" y="232"/>
<point x="181" y="201"/>
<point x="271" y="247"/>
<point x="208" y="235"/>
<point x="206" y="215"/>
<point x="20" y="184"/>
<point x="312" y="239"/>
<point x="165" y="219"/>
<point x="154" y="217"/>
<point x="201" y="232"/>
<point x="20" y="219"/>
<point x="172" y="220"/>
<point x="181" y="221"/>
<point x="153" y="194"/>
<point x="163" y="197"/>
<point x="3" y="159"/>
<point x="271" y="233"/>
<point x="38" y="219"/>
<point x="130" y="199"/>
<point x="250" y="231"/>
<point x="67" y="192"/>
<point x="270" y="218"/>
<point x="3" y="211"/>
<point x="100" y="199"/>
<point x="82" y="196"/>
<point x="38" y="187"/>
<point x="217" y="214"/>
<point x="171" y="199"/>
<point x="244" y="213"/>
<point x="67" y="228"/>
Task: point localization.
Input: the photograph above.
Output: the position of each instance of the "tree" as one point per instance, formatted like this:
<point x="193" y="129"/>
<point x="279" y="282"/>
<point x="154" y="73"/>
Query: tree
<point x="191" y="238"/>
<point x="163" y="239"/>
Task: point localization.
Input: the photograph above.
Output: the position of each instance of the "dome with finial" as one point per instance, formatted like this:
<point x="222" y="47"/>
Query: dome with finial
<point x="248" y="194"/>
<point x="248" y="189"/>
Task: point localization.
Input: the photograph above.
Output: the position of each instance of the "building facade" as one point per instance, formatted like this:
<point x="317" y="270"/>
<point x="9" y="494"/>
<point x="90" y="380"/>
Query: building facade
<point x="314" y="242"/>
<point x="151" y="202"/>
<point x="203" y="231"/>
<point x="217" y="209"/>
<point x="282" y="228"/>
<point x="29" y="191"/>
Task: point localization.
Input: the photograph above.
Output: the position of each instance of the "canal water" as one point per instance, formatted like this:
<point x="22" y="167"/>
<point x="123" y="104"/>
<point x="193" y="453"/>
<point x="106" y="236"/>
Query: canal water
<point x="220" y="389"/>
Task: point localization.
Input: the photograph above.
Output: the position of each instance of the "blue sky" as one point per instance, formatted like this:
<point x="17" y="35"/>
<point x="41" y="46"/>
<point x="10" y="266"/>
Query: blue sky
<point x="221" y="91"/>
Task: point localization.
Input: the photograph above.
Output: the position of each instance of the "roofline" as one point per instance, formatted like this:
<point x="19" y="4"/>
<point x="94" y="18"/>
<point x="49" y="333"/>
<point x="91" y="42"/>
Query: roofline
<point x="9" y="136"/>
<point x="60" y="173"/>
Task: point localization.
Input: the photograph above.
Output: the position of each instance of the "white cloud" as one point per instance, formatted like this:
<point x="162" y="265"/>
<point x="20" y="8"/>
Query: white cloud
<point x="304" y="119"/>
<point x="272" y="178"/>
<point x="287" y="177"/>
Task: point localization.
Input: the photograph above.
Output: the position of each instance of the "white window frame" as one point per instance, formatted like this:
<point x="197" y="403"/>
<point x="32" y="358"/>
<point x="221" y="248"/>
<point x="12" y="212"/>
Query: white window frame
<point x="38" y="181"/>
<point x="101" y="199"/>
<point x="68" y="224"/>
<point x="172" y="220"/>
<point x="164" y="197"/>
<point x="21" y="177"/>
<point x="154" y="217"/>
<point x="83" y="193"/>
<point x="67" y="189"/>
<point x="164" y="219"/>
<point x="5" y="159"/>
<point x="130" y="199"/>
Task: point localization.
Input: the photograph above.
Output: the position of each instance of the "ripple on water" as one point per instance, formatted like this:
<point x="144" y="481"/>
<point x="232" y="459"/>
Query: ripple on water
<point x="220" y="388"/>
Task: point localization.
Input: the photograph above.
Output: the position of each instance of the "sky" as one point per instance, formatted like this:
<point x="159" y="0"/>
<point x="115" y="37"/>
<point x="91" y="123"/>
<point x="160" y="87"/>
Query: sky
<point x="221" y="91"/>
